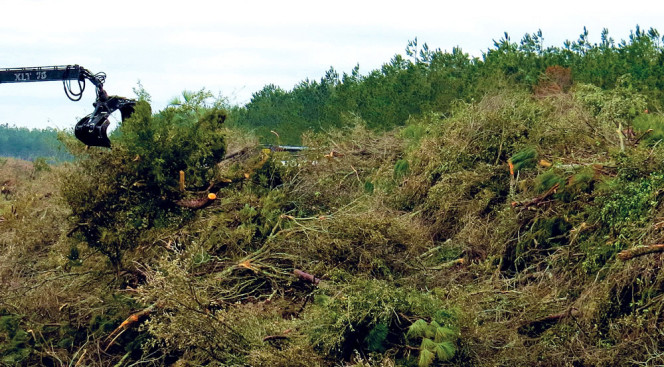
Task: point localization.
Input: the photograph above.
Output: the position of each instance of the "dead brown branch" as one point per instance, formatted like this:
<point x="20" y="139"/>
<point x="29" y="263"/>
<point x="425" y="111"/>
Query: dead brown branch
<point x="640" y="251"/>
<point x="538" y="200"/>
<point x="197" y="203"/>
<point x="127" y="323"/>
<point x="306" y="276"/>
<point x="536" y="327"/>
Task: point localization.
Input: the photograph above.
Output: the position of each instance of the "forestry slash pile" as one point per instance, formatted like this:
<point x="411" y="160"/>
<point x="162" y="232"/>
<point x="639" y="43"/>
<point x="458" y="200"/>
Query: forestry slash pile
<point x="519" y="230"/>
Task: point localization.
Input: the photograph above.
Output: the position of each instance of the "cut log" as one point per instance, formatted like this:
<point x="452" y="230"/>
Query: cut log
<point x="640" y="251"/>
<point x="198" y="203"/>
<point x="306" y="276"/>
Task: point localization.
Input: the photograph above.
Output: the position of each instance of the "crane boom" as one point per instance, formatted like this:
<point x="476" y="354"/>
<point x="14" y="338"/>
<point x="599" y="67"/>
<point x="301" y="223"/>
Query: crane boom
<point x="91" y="129"/>
<point x="41" y="74"/>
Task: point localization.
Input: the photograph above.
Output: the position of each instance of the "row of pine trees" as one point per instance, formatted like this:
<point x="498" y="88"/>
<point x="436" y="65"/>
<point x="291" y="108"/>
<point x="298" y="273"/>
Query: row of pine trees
<point x="427" y="79"/>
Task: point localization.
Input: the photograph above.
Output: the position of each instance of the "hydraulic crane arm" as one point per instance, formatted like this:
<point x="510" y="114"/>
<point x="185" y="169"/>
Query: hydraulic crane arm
<point x="49" y="73"/>
<point x="91" y="129"/>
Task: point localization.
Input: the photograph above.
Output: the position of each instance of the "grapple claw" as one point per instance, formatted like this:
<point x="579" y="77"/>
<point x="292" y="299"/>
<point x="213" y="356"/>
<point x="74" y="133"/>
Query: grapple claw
<point x="92" y="131"/>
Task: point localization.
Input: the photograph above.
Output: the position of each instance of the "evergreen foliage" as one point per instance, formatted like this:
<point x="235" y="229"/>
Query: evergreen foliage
<point x="14" y="341"/>
<point x="524" y="159"/>
<point x="433" y="80"/>
<point x="141" y="173"/>
<point x="436" y="341"/>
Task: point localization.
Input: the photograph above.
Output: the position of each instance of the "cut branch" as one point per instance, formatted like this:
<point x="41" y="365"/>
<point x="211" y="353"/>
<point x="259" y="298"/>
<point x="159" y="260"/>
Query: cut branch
<point x="537" y="327"/>
<point x="198" y="203"/>
<point x="538" y="200"/>
<point x="640" y="251"/>
<point x="126" y="324"/>
<point x="306" y="276"/>
<point x="275" y="337"/>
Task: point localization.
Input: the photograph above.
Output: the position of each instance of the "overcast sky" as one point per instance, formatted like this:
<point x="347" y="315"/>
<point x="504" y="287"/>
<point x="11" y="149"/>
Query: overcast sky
<point x="235" y="48"/>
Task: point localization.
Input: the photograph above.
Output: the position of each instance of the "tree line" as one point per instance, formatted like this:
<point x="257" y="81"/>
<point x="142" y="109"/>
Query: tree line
<point x="428" y="79"/>
<point x="29" y="144"/>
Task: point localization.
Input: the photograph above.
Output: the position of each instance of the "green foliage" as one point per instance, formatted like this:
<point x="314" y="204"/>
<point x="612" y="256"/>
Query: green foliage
<point x="581" y="180"/>
<point x="369" y="187"/>
<point x="418" y="329"/>
<point x="547" y="180"/>
<point x="544" y="233"/>
<point x="610" y="75"/>
<point x="629" y="204"/>
<point x="437" y="342"/>
<point x="619" y="105"/>
<point x="366" y="310"/>
<point x="523" y="159"/>
<point x="598" y="253"/>
<point x="401" y="169"/>
<point x="367" y="242"/>
<point x="376" y="338"/>
<point x="40" y="164"/>
<point x="414" y="132"/>
<point x="426" y="358"/>
<point x="187" y="138"/>
<point x="122" y="193"/>
<point x="14" y="341"/>
<point x="650" y="128"/>
<point x="396" y="226"/>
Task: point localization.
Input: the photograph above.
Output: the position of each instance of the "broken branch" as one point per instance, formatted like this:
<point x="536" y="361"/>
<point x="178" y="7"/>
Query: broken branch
<point x="127" y="323"/>
<point x="538" y="200"/>
<point x="537" y="327"/>
<point x="306" y="277"/>
<point x="198" y="203"/>
<point x="274" y="337"/>
<point x="640" y="251"/>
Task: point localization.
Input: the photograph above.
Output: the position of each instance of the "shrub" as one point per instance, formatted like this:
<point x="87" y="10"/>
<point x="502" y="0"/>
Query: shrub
<point x="119" y="196"/>
<point x="371" y="315"/>
<point x="628" y="204"/>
